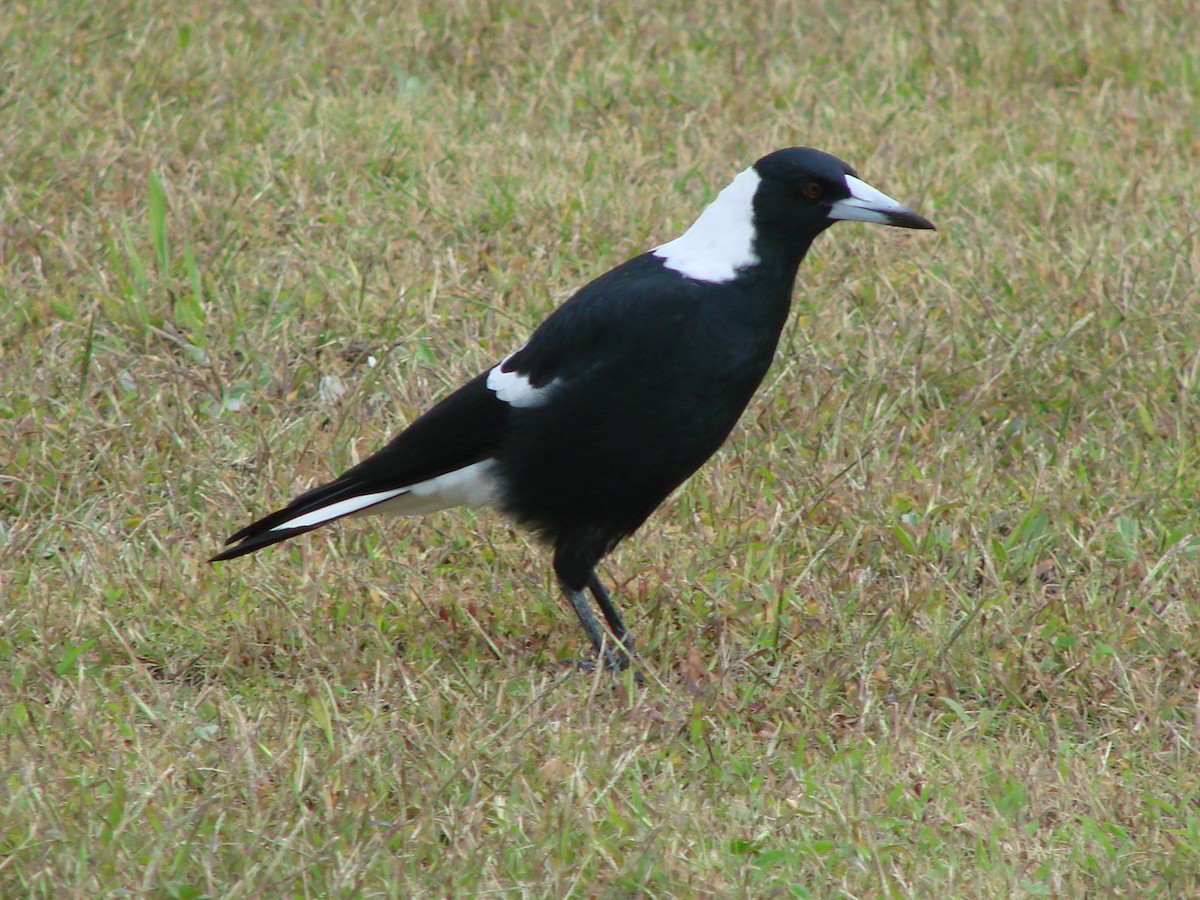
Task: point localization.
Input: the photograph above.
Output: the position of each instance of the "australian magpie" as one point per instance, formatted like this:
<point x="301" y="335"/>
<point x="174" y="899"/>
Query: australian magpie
<point x="621" y="393"/>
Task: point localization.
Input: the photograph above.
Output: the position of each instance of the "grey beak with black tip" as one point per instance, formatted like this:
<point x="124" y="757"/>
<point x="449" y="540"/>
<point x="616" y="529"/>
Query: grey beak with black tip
<point x="865" y="204"/>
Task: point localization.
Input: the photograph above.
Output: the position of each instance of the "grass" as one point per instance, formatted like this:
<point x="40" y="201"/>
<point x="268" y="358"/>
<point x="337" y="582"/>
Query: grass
<point x="927" y="625"/>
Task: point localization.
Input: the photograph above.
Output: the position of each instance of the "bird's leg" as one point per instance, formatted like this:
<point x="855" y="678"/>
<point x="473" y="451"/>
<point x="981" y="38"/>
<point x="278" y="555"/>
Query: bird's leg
<point x="611" y="616"/>
<point x="591" y="628"/>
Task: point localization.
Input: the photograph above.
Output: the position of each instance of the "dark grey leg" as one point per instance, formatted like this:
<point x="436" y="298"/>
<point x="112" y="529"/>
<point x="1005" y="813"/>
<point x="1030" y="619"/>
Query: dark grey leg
<point x="611" y="616"/>
<point x="591" y="628"/>
<point x="625" y="642"/>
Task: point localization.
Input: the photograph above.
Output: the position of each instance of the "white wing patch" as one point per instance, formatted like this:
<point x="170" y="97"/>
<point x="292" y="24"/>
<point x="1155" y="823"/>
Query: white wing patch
<point x="514" y="388"/>
<point x="721" y="241"/>
<point x="473" y="485"/>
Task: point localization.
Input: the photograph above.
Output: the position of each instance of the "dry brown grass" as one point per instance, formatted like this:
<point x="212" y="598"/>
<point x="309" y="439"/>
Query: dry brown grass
<point x="927" y="626"/>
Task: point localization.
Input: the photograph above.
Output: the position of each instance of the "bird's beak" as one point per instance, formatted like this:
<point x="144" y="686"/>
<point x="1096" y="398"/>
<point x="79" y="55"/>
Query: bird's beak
<point x="865" y="204"/>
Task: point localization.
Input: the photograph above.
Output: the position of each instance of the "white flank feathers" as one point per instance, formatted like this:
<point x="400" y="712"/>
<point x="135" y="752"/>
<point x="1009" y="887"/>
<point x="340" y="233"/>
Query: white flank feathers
<point x="514" y="388"/>
<point x="721" y="241"/>
<point x="473" y="485"/>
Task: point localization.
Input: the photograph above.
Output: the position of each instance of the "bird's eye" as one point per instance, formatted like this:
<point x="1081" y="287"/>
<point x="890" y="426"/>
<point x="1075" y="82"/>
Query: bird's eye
<point x="813" y="189"/>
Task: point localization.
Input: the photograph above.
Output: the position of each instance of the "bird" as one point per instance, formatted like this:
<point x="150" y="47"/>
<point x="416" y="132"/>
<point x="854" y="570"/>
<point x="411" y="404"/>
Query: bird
<point x="621" y="393"/>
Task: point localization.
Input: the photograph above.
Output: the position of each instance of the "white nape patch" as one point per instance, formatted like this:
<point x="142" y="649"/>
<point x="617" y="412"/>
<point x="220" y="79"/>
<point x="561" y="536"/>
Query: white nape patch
<point x="341" y="508"/>
<point x="865" y="204"/>
<point x="721" y="241"/>
<point x="473" y="485"/>
<point x="514" y="388"/>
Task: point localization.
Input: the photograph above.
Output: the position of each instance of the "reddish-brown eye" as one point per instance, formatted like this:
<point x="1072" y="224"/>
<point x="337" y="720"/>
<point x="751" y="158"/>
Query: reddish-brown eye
<point x="813" y="189"/>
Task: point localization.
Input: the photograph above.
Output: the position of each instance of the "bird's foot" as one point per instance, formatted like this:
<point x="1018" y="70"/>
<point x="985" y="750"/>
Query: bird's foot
<point x="615" y="663"/>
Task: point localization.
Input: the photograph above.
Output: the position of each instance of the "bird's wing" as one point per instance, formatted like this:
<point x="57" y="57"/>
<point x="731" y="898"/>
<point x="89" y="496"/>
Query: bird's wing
<point x="604" y="321"/>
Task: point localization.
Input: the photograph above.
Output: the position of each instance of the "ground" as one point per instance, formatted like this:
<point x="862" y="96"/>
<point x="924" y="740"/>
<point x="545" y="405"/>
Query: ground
<point x="928" y="625"/>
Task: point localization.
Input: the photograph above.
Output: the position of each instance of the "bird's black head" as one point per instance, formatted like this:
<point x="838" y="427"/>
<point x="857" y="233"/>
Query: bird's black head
<point x="804" y="191"/>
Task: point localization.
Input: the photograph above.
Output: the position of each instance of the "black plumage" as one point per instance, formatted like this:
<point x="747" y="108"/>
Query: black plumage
<point x="622" y="393"/>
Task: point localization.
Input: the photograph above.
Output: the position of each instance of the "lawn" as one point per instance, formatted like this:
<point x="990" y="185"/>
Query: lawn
<point x="928" y="625"/>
